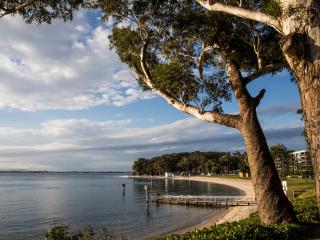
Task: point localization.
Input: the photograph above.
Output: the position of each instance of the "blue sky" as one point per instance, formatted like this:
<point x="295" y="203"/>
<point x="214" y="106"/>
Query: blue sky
<point x="68" y="103"/>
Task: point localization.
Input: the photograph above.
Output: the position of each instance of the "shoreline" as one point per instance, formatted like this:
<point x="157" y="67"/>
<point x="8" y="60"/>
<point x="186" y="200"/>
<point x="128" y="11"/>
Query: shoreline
<point x="231" y="214"/>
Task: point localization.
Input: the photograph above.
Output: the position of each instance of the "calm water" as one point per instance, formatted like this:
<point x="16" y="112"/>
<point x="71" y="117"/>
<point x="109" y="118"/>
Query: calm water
<point x="30" y="204"/>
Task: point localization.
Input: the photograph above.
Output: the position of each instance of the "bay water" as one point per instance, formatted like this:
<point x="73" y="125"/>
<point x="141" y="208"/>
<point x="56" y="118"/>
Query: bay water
<point x="32" y="203"/>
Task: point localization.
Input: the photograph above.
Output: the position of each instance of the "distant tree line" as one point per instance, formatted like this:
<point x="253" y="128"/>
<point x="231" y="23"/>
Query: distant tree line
<point x="196" y="163"/>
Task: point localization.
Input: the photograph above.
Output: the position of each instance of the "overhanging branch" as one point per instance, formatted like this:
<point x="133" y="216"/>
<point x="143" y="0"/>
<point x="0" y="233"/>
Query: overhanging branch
<point x="243" y="13"/>
<point x="209" y="116"/>
<point x="18" y="8"/>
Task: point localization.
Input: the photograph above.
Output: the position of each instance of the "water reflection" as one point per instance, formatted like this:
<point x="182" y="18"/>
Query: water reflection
<point x="32" y="203"/>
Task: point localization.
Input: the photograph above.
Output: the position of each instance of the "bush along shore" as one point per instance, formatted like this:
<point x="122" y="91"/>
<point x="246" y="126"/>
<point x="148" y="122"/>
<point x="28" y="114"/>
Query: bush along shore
<point x="306" y="210"/>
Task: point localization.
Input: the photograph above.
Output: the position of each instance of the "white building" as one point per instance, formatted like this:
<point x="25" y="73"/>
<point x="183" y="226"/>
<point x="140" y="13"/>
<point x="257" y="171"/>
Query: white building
<point x="302" y="161"/>
<point x="302" y="157"/>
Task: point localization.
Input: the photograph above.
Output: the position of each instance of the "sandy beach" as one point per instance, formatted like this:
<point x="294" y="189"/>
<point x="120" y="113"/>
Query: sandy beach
<point x="235" y="213"/>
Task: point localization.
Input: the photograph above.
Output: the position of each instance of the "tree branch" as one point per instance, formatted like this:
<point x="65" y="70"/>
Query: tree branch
<point x="18" y="8"/>
<point x="261" y="72"/>
<point x="200" y="58"/>
<point x="223" y="119"/>
<point x="243" y="13"/>
<point x="258" y="98"/>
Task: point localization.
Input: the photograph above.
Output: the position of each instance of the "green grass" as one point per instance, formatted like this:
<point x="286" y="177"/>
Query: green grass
<point x="294" y="184"/>
<point x="251" y="228"/>
<point x="298" y="184"/>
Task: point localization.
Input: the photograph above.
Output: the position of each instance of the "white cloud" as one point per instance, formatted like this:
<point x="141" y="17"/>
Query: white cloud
<point x="61" y="66"/>
<point x="81" y="144"/>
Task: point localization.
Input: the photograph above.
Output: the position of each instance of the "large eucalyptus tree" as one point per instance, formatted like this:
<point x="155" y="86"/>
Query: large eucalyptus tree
<point x="196" y="60"/>
<point x="298" y="23"/>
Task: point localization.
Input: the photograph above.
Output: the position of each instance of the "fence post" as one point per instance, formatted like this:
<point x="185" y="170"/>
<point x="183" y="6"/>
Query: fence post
<point x="147" y="193"/>
<point x="292" y="194"/>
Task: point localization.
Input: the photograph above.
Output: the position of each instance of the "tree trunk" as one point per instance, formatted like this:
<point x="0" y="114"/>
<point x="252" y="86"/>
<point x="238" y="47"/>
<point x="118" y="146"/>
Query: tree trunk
<point x="310" y="99"/>
<point x="302" y="51"/>
<point x="273" y="205"/>
<point x="308" y="80"/>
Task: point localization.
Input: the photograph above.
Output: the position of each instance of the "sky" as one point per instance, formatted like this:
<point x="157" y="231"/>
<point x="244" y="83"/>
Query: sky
<point x="68" y="103"/>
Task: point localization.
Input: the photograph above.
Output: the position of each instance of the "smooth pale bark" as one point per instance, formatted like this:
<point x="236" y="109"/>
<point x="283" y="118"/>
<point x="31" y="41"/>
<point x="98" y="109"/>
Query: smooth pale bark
<point x="310" y="99"/>
<point x="241" y="12"/>
<point x="307" y="75"/>
<point x="301" y="47"/>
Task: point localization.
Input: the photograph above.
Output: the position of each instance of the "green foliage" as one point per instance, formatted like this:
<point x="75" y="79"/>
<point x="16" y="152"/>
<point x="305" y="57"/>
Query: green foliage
<point x="306" y="208"/>
<point x="58" y="232"/>
<point x="272" y="8"/>
<point x="282" y="158"/>
<point x="127" y="44"/>
<point x="250" y="228"/>
<point x="193" y="163"/>
<point x="176" y="79"/>
<point x="176" y="32"/>
<point x="62" y="232"/>
<point x="244" y="164"/>
<point x="42" y="10"/>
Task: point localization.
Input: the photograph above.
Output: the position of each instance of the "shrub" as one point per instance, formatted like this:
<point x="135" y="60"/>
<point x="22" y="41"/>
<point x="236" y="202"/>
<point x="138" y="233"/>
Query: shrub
<point x="62" y="232"/>
<point x="250" y="228"/>
<point x="306" y="208"/>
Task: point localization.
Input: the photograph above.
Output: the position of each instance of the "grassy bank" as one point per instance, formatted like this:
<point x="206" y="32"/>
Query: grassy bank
<point x="299" y="184"/>
<point x="251" y="228"/>
<point x="296" y="186"/>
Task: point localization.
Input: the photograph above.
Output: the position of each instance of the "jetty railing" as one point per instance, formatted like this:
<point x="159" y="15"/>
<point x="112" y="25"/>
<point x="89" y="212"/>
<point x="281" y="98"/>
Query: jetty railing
<point x="223" y="201"/>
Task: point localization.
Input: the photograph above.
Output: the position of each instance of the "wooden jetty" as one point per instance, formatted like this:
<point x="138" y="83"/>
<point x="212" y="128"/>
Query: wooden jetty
<point x="208" y="201"/>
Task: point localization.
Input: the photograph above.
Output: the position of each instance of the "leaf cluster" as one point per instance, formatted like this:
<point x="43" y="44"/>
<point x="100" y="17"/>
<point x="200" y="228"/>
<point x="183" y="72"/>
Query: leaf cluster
<point x="272" y="8"/>
<point x="178" y="33"/>
<point x="42" y="10"/>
